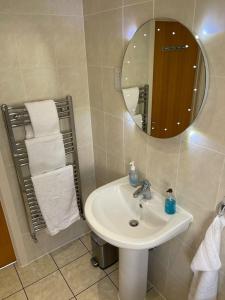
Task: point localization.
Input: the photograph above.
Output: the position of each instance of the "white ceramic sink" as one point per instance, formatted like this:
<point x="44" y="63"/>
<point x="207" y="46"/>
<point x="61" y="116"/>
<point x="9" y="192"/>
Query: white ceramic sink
<point x="108" y="211"/>
<point x="110" y="208"/>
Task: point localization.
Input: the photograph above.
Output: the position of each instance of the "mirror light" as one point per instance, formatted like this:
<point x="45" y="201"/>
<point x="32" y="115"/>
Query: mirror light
<point x="145" y="34"/>
<point x="173" y="33"/>
<point x="158" y="29"/>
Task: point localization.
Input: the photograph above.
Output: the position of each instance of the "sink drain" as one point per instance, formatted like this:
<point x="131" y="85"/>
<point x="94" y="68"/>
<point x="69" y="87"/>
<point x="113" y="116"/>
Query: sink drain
<point x="133" y="223"/>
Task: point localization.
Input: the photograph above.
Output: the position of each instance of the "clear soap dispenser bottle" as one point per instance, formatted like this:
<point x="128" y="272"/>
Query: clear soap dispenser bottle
<point x="133" y="175"/>
<point x="170" y="203"/>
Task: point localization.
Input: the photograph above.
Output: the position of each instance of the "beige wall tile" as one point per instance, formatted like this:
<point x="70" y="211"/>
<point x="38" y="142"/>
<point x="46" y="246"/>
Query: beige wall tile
<point x="135" y="143"/>
<point x="95" y="78"/>
<point x="206" y="130"/>
<point x="80" y="274"/>
<point x="209" y="25"/>
<point x="68" y="33"/>
<point x="69" y="7"/>
<point x="111" y="38"/>
<point x="33" y="7"/>
<point x="91" y="6"/>
<point x="114" y="135"/>
<point x="5" y="6"/>
<point x="176" y="288"/>
<point x="8" y="55"/>
<point x="115" y="166"/>
<point x="100" y="166"/>
<point x="134" y="17"/>
<point x="52" y="286"/>
<point x="41" y="83"/>
<point x="113" y="101"/>
<point x="34" y="39"/>
<point x="174" y="9"/>
<point x="93" y="40"/>
<point x="68" y="253"/>
<point x="98" y="128"/>
<point x="9" y="282"/>
<point x="36" y="270"/>
<point x="157" y="274"/>
<point x="83" y="126"/>
<point x="104" y="289"/>
<point x="73" y="81"/>
<point x="162" y="163"/>
<point x="11" y="78"/>
<point x="199" y="169"/>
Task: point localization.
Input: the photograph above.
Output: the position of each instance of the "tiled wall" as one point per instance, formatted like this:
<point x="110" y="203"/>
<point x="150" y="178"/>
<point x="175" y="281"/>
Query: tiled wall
<point x="42" y="55"/>
<point x="193" y="163"/>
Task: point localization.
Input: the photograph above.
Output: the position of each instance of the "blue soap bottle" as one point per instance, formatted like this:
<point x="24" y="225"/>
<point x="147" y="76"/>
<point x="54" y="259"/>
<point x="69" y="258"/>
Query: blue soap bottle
<point x="170" y="203"/>
<point x="133" y="175"/>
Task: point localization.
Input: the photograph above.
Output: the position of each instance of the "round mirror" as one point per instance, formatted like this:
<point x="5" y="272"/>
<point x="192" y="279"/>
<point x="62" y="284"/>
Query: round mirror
<point x="164" y="78"/>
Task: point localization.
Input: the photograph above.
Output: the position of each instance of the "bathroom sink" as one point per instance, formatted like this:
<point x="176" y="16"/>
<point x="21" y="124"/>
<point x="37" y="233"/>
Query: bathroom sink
<point x="110" y="208"/>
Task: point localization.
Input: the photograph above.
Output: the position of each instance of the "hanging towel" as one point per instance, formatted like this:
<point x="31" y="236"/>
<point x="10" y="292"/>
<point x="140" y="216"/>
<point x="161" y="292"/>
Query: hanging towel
<point x="45" y="154"/>
<point x="206" y="263"/>
<point x="131" y="96"/>
<point x="56" y="197"/>
<point x="44" y="118"/>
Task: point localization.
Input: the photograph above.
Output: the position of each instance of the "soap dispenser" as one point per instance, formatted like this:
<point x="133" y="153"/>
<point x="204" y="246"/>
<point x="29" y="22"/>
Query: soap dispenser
<point x="170" y="203"/>
<point x="133" y="175"/>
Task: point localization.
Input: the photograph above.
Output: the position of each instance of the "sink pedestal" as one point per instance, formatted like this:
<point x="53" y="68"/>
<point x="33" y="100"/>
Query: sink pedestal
<point x="133" y="273"/>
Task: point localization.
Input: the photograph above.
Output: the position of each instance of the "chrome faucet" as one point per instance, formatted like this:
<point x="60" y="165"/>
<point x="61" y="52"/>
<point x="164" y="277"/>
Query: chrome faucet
<point x="144" y="190"/>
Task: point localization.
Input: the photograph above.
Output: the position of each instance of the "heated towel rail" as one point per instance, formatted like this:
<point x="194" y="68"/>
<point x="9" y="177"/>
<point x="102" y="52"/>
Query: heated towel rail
<point x="15" y="118"/>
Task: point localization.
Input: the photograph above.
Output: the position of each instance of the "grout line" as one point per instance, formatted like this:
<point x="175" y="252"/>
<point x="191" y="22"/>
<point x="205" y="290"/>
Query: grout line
<point x="20" y="282"/>
<point x="68" y="262"/>
<point x="91" y="285"/>
<point x="67" y="283"/>
<point x="220" y="184"/>
<point x="37" y="14"/>
<point x="112" y="281"/>
<point x="85" y="246"/>
<point x="178" y="165"/>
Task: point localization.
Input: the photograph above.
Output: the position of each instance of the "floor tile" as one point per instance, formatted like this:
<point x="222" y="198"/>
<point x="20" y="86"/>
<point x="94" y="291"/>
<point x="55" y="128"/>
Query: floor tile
<point x="114" y="276"/>
<point x="153" y="295"/>
<point x="112" y="268"/>
<point x="18" y="296"/>
<point x="103" y="289"/>
<point x="86" y="239"/>
<point x="50" y="287"/>
<point x="9" y="282"/>
<point x="36" y="270"/>
<point x="68" y="253"/>
<point x="80" y="274"/>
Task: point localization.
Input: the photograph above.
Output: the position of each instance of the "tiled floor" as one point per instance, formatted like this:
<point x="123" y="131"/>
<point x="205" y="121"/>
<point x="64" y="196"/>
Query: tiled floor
<point x="65" y="274"/>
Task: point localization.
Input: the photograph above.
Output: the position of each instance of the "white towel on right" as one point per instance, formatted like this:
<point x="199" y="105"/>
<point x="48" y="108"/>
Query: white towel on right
<point x="45" y="153"/>
<point x="56" y="196"/>
<point x="206" y="263"/>
<point x="131" y="96"/>
<point x="44" y="118"/>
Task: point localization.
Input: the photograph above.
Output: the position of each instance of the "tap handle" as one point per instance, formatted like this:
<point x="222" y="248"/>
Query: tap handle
<point x="146" y="184"/>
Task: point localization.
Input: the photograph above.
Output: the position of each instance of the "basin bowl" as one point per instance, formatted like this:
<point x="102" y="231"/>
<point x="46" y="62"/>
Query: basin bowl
<point x="110" y="208"/>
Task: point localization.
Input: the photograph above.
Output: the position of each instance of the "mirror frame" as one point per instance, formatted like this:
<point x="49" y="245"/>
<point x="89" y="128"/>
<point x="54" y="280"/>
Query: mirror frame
<point x="207" y="76"/>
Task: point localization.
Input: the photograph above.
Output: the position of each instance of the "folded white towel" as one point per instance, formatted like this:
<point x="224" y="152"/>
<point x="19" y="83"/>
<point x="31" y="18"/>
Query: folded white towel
<point x="138" y="120"/>
<point x="56" y="197"/>
<point x="45" y="153"/>
<point x="206" y="263"/>
<point x="44" y="117"/>
<point x="131" y="96"/>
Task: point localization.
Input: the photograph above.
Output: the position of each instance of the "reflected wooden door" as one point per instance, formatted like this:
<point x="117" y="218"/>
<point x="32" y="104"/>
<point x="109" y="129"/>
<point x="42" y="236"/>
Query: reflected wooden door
<point x="7" y="255"/>
<point x="173" y="79"/>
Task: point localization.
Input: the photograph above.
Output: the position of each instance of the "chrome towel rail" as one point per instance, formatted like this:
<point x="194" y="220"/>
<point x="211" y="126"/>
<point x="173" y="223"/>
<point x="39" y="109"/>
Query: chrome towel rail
<point x="18" y="117"/>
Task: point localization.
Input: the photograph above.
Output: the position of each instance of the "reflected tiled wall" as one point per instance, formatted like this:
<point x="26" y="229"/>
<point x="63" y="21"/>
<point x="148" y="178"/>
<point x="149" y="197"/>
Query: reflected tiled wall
<point x="42" y="56"/>
<point x="193" y="163"/>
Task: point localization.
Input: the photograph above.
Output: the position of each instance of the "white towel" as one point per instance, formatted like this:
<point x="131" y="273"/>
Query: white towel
<point x="44" y="117"/>
<point x="131" y="96"/>
<point x="45" y="154"/>
<point x="56" y="197"/>
<point x="138" y="120"/>
<point x="206" y="263"/>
